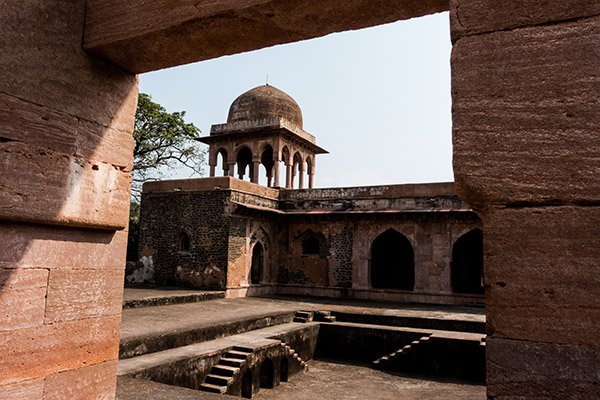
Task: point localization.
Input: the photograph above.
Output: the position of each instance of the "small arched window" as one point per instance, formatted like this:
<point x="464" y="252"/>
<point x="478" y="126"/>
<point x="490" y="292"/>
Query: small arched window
<point x="311" y="245"/>
<point x="183" y="242"/>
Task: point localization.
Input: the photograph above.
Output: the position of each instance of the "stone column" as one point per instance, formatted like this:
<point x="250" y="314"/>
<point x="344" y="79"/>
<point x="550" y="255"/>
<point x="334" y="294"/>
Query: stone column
<point x="289" y="176"/>
<point x="301" y="173"/>
<point x="231" y="168"/>
<point x="525" y="133"/>
<point x="255" y="171"/>
<point x="66" y="156"/>
<point x="212" y="170"/>
<point x="276" y="173"/>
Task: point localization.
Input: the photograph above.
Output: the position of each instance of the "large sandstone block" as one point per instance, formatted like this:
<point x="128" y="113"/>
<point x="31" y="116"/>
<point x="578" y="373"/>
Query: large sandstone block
<point x="526" y="116"/>
<point x="38" y="246"/>
<point x="78" y="294"/>
<point x="55" y="188"/>
<point x="134" y="34"/>
<point x="28" y="390"/>
<point x="22" y="298"/>
<point x="541" y="268"/>
<point x="59" y="74"/>
<point x="33" y="124"/>
<point x="519" y="370"/>
<point x="36" y="352"/>
<point x="476" y="16"/>
<point x="95" y="382"/>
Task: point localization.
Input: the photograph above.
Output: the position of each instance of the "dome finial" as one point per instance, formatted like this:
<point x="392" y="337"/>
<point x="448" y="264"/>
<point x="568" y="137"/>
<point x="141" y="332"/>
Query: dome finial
<point x="267" y="84"/>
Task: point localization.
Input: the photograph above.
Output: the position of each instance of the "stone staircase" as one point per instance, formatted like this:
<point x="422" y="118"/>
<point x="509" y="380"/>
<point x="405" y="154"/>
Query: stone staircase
<point x="309" y="316"/>
<point x="291" y="354"/>
<point x="224" y="372"/>
<point x="405" y="355"/>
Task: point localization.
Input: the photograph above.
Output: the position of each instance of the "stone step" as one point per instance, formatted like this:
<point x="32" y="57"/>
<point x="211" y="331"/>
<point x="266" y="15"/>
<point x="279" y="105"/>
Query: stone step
<point x="218" y="379"/>
<point x="308" y="315"/>
<point x="240" y="355"/>
<point x="243" y="349"/>
<point x="224" y="370"/>
<point x="232" y="362"/>
<point x="300" y="319"/>
<point x="208" y="387"/>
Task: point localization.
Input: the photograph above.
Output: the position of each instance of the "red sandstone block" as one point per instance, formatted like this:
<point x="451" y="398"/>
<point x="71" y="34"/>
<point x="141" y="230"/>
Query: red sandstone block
<point x="54" y="188"/>
<point x="22" y="298"/>
<point x="35" y="246"/>
<point x="28" y="390"/>
<point x="477" y="16"/>
<point x="95" y="382"/>
<point x="59" y="74"/>
<point x="533" y="370"/>
<point x="36" y="352"/>
<point x="525" y="115"/>
<point x="77" y="294"/>
<point x="33" y="124"/>
<point x="541" y="268"/>
<point x="106" y="145"/>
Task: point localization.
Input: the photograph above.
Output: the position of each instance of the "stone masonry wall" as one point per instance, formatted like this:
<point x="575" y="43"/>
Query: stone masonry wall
<point x="199" y="215"/>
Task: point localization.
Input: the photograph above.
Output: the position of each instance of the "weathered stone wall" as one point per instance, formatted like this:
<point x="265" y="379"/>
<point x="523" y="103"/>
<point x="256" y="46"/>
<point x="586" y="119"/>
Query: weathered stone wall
<point x="225" y="224"/>
<point x="525" y="86"/>
<point x="200" y="215"/>
<point x="66" y="151"/>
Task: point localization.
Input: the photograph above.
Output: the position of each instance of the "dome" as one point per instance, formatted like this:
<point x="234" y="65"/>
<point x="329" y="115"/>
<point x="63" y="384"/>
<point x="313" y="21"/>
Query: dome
<point x="265" y="102"/>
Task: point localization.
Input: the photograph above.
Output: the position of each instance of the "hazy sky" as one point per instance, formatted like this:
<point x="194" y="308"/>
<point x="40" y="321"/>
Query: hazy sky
<point x="377" y="99"/>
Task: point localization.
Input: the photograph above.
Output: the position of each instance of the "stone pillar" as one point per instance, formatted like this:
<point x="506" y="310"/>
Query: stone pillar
<point x="525" y="132"/>
<point x="66" y="142"/>
<point x="289" y="176"/>
<point x="212" y="170"/>
<point x="301" y="173"/>
<point x="231" y="168"/>
<point x="255" y="171"/>
<point x="276" y="173"/>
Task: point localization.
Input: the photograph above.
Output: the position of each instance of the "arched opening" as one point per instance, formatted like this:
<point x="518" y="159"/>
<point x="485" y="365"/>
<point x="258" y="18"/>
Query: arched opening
<point x="467" y="263"/>
<point x="267" y="374"/>
<point x="256" y="269"/>
<point x="247" y="384"/>
<point x="284" y="369"/>
<point x="266" y="160"/>
<point x="244" y="161"/>
<point x="182" y="242"/>
<point x="222" y="165"/>
<point x="392" y="262"/>
<point x="311" y="245"/>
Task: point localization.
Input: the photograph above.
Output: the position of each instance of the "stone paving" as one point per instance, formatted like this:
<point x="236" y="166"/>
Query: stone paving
<point x="148" y="321"/>
<point x="328" y="380"/>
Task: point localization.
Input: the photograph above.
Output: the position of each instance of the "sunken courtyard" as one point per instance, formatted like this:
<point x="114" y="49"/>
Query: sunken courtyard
<point x="291" y="300"/>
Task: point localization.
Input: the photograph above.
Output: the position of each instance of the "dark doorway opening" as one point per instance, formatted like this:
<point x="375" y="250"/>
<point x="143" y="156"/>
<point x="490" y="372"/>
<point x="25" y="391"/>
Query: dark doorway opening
<point x="267" y="374"/>
<point x="284" y="369"/>
<point x="392" y="262"/>
<point x="247" y="384"/>
<point x="467" y="263"/>
<point x="256" y="270"/>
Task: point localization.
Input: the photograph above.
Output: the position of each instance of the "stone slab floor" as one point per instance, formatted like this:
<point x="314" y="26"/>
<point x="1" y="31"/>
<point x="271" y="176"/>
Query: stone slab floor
<point x="328" y="380"/>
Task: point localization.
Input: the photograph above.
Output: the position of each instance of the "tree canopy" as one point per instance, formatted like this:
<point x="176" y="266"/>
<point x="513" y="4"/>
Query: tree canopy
<point x="163" y="141"/>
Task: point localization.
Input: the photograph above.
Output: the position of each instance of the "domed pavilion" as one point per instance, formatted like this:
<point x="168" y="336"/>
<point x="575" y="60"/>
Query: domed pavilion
<point x="264" y="127"/>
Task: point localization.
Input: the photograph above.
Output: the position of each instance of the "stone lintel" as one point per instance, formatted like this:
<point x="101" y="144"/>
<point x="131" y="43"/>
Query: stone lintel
<point x="147" y="35"/>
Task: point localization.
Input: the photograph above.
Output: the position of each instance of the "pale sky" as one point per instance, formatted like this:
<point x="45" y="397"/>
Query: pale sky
<point x="377" y="99"/>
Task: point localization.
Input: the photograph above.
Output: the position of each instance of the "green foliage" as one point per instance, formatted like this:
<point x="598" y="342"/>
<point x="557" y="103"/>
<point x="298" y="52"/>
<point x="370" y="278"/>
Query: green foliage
<point x="163" y="141"/>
